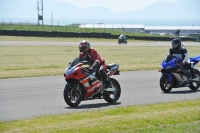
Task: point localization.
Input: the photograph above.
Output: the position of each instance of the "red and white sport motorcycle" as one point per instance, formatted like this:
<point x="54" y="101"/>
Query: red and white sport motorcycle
<point x="81" y="85"/>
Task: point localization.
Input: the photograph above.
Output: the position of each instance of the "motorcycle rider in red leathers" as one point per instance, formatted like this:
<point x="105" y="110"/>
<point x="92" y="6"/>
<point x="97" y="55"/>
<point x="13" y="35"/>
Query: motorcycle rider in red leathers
<point x="96" y="62"/>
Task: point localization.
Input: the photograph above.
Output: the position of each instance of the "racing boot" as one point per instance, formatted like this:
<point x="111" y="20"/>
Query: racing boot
<point x="106" y="80"/>
<point x="193" y="77"/>
<point x="108" y="83"/>
<point x="108" y="86"/>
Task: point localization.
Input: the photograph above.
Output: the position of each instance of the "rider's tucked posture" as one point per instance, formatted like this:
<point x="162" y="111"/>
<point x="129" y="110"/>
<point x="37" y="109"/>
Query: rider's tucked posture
<point x="180" y="52"/>
<point x="96" y="62"/>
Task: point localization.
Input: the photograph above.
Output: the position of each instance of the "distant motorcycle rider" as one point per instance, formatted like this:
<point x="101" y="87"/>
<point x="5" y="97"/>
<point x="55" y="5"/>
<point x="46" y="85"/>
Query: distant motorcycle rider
<point x="180" y="52"/>
<point x="96" y="62"/>
<point x="121" y="36"/>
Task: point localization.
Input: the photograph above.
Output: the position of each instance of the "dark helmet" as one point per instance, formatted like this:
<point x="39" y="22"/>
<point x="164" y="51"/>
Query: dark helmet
<point x="176" y="43"/>
<point x="84" y="46"/>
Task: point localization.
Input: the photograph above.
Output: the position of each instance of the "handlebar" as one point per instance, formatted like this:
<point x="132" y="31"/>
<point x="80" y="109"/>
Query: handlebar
<point x="85" y="69"/>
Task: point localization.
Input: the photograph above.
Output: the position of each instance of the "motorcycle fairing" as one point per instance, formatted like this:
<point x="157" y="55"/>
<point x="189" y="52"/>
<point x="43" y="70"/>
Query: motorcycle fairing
<point x="167" y="67"/>
<point x="90" y="83"/>
<point x="113" y="68"/>
<point x="181" y="81"/>
<point x="195" y="59"/>
<point x="74" y="72"/>
<point x="168" y="64"/>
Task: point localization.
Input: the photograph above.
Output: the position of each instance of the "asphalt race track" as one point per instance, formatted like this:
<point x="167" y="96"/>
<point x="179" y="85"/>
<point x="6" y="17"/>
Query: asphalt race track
<point x="22" y="98"/>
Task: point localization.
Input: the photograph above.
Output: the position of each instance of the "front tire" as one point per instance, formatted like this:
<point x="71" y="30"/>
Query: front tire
<point x="112" y="97"/>
<point x="119" y="42"/>
<point x="72" y="98"/>
<point x="195" y="85"/>
<point x="165" y="85"/>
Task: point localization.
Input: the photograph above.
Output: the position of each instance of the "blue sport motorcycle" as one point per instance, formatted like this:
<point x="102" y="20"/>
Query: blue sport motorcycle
<point x="175" y="75"/>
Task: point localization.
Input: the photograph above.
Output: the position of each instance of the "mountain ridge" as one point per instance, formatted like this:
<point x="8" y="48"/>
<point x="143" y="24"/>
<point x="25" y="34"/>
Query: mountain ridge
<point x="161" y="9"/>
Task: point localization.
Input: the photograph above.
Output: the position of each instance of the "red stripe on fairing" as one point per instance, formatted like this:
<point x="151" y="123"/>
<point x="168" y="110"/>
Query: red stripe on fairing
<point x="93" y="84"/>
<point x="111" y="73"/>
<point x="85" y="80"/>
<point x="90" y="89"/>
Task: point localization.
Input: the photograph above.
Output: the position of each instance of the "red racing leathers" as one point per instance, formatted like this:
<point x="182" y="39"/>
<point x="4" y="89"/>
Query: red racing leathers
<point x="96" y="62"/>
<point x="94" y="59"/>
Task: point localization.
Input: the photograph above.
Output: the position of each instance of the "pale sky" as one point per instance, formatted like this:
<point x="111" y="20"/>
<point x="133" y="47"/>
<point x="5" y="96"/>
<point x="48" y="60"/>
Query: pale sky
<point x="116" y="5"/>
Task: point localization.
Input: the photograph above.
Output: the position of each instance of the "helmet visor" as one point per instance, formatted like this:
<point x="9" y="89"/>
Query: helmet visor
<point x="175" y="45"/>
<point x="82" y="48"/>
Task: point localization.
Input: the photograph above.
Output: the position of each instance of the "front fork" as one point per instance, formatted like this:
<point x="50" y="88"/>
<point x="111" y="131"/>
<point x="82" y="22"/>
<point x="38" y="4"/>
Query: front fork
<point x="169" y="76"/>
<point x="74" y="87"/>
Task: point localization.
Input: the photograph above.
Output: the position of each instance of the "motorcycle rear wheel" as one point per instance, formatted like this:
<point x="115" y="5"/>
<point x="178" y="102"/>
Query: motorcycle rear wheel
<point x="195" y="85"/>
<point x="72" y="98"/>
<point x="164" y="84"/>
<point x="111" y="97"/>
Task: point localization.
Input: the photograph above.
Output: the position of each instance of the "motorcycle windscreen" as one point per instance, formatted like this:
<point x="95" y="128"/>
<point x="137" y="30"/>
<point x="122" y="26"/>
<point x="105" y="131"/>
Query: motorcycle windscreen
<point x="169" y="58"/>
<point x="74" y="62"/>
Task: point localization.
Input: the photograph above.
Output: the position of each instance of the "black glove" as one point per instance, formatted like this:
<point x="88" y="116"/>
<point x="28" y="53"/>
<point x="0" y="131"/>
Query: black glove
<point x="171" y="51"/>
<point x="95" y="64"/>
<point x="91" y="70"/>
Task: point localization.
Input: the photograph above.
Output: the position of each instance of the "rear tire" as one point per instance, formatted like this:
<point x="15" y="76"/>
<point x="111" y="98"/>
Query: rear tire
<point x="164" y="84"/>
<point x="71" y="98"/>
<point x="195" y="85"/>
<point x="112" y="97"/>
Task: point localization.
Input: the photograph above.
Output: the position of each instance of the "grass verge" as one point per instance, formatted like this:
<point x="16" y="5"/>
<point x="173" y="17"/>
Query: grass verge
<point x="29" y="61"/>
<point x="61" y="39"/>
<point x="179" y="117"/>
<point x="69" y="29"/>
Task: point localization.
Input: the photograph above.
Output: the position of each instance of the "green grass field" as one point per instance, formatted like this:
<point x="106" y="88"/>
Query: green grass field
<point x="175" y="117"/>
<point x="28" y="61"/>
<point x="59" y="39"/>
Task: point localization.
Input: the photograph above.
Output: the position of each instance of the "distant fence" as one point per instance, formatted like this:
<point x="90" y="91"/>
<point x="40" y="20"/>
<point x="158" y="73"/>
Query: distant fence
<point x="4" y="23"/>
<point x="85" y="35"/>
<point x="18" y="23"/>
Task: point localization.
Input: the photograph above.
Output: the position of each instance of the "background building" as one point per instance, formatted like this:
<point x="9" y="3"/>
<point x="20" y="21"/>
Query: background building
<point x="162" y="30"/>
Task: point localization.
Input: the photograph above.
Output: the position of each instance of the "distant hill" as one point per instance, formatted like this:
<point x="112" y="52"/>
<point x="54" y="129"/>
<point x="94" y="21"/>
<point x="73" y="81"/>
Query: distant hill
<point x="181" y="9"/>
<point x="28" y="8"/>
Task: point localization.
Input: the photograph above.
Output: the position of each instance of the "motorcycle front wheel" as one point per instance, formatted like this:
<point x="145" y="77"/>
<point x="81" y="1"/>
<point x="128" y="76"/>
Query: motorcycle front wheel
<point x="165" y="85"/>
<point x="195" y="85"/>
<point x="112" y="97"/>
<point x="119" y="42"/>
<point x="71" y="97"/>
